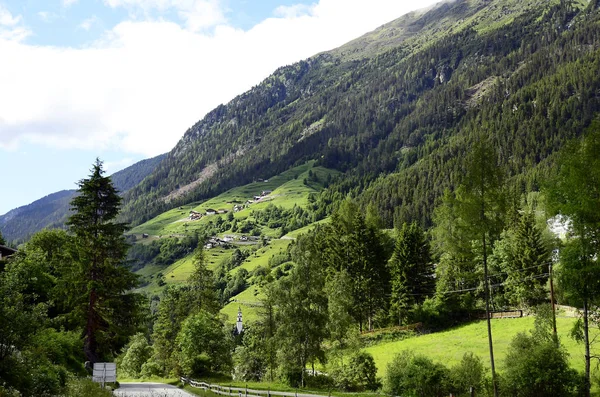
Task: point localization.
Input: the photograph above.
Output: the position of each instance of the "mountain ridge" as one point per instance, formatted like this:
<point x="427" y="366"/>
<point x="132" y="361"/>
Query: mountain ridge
<point x="383" y="113"/>
<point x="52" y="210"/>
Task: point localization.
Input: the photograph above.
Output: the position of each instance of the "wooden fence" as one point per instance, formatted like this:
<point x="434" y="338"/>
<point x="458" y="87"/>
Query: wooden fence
<point x="242" y="392"/>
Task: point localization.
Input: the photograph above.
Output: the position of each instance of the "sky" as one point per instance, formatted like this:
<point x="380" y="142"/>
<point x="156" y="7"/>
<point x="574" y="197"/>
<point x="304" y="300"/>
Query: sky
<point x="123" y="80"/>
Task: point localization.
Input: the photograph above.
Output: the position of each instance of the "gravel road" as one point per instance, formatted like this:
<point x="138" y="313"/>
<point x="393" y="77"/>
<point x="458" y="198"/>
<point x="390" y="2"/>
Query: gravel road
<point x="150" y="390"/>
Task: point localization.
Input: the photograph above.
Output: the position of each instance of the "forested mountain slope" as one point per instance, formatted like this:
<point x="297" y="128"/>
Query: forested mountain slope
<point x="52" y="211"/>
<point x="397" y="109"/>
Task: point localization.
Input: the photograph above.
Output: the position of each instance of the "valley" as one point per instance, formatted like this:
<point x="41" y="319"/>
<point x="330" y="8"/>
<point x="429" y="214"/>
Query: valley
<point x="371" y="211"/>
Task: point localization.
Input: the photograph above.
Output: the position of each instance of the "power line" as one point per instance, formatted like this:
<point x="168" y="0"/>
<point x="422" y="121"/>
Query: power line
<point x="535" y="277"/>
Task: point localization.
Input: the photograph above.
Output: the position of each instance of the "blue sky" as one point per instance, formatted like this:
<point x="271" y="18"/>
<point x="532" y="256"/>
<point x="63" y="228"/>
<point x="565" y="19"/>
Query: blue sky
<point x="123" y="79"/>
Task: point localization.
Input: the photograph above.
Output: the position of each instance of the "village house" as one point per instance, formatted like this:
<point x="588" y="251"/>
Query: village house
<point x="210" y="212"/>
<point x="265" y="192"/>
<point x="194" y="215"/>
<point x="5" y="252"/>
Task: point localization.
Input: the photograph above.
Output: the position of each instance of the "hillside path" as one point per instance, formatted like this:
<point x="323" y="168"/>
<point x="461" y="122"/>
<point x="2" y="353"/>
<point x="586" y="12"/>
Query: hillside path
<point x="149" y="390"/>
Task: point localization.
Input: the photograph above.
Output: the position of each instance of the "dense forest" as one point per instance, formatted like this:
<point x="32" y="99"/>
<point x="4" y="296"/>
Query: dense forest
<point x="398" y="121"/>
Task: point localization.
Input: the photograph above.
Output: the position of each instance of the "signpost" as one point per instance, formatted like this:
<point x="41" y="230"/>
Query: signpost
<point x="104" y="373"/>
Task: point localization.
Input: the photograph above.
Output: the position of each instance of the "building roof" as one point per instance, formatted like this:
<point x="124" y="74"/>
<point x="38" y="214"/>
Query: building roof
<point x="6" y="251"/>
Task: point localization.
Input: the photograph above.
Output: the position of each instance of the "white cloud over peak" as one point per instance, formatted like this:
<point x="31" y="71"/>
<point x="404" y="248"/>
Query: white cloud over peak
<point x="141" y="86"/>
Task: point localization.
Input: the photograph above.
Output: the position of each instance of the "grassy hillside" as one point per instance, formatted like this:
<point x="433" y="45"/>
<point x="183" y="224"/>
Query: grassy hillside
<point x="287" y="189"/>
<point x="448" y="347"/>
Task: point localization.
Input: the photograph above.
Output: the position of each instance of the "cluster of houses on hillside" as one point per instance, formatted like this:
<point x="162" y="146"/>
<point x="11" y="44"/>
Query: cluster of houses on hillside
<point x="227" y="239"/>
<point x="196" y="215"/>
<point x="256" y="199"/>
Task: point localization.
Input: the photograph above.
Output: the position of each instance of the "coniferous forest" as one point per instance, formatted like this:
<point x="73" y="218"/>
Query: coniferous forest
<point x="449" y="164"/>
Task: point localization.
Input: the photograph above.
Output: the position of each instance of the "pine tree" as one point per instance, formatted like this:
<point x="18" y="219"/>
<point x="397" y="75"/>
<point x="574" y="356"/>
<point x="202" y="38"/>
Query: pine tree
<point x="411" y="270"/>
<point x="105" y="306"/>
<point x="202" y="286"/>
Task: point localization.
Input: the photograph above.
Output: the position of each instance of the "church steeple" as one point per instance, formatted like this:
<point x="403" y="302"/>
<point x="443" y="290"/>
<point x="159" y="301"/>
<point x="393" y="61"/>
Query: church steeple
<point x="239" y="326"/>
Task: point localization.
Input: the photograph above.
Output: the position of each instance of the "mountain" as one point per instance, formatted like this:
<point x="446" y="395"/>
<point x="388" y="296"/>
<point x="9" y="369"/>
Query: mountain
<point x="397" y="109"/>
<point x="52" y="211"/>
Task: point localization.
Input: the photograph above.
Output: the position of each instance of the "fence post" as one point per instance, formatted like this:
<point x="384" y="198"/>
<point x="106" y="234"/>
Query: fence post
<point x="246" y="391"/>
<point x="472" y="391"/>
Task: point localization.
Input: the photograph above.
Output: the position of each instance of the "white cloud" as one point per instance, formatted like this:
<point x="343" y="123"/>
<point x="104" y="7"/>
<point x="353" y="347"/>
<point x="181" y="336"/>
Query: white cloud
<point x="141" y="86"/>
<point x="113" y="166"/>
<point x="196" y="14"/>
<point x="69" y="3"/>
<point x="293" y="11"/>
<point x="11" y="27"/>
<point x="47" y="16"/>
<point x="7" y="19"/>
<point x="88" y="23"/>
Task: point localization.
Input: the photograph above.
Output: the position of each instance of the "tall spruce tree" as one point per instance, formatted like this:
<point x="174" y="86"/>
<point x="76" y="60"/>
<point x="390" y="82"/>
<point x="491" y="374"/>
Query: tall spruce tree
<point x="575" y="193"/>
<point x="106" y="307"/>
<point x="411" y="269"/>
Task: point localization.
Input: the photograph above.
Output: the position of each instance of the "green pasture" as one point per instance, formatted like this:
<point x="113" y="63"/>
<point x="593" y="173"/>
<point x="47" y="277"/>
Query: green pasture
<point x="248" y="301"/>
<point x="448" y="347"/>
<point x="262" y="256"/>
<point x="288" y="189"/>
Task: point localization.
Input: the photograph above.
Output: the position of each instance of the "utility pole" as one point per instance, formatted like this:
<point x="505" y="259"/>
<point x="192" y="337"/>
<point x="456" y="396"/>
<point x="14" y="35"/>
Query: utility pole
<point x="552" y="302"/>
<point x="487" y="315"/>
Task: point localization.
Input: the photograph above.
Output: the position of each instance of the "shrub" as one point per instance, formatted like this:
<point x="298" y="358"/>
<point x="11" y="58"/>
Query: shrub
<point x="77" y="387"/>
<point x="151" y="369"/>
<point x="468" y="373"/>
<point x="411" y="375"/>
<point x="359" y="374"/>
<point x="538" y="368"/>
<point x="135" y="355"/>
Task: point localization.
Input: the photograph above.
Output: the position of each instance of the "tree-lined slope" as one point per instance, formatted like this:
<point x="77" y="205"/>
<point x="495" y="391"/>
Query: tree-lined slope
<point x="397" y="109"/>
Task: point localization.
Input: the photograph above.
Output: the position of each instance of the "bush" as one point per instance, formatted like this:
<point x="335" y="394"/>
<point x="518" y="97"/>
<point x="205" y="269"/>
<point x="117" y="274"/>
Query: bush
<point x="468" y="373"/>
<point x="135" y="355"/>
<point x="360" y="374"/>
<point x="77" y="387"/>
<point x="151" y="369"/>
<point x="538" y="368"/>
<point x="411" y="375"/>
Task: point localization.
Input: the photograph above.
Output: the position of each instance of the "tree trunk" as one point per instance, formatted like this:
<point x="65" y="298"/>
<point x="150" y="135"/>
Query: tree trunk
<point x="489" y="321"/>
<point x="90" y="348"/>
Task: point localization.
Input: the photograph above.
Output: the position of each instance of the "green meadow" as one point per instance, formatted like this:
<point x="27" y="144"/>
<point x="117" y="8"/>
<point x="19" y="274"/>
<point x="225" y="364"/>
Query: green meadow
<point x="448" y="347"/>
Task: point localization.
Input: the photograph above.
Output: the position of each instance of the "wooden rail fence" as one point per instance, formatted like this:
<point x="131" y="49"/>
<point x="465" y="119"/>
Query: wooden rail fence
<point x="241" y="391"/>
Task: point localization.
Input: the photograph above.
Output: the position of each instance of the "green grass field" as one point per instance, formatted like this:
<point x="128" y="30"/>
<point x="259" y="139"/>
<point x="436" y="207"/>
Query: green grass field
<point x="448" y="347"/>
<point x="262" y="256"/>
<point x="248" y="301"/>
<point x="288" y="189"/>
